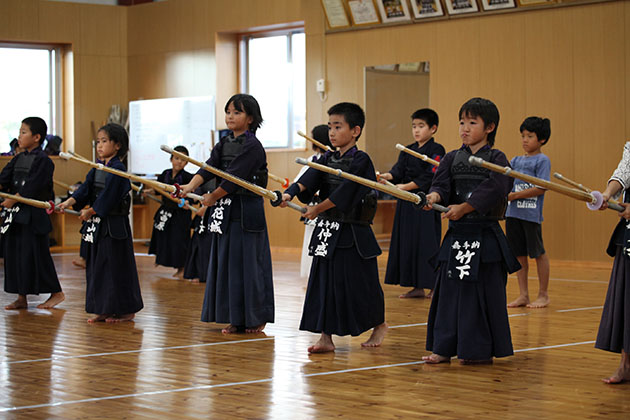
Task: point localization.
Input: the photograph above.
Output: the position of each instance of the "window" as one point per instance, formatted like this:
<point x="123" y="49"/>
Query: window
<point x="30" y="85"/>
<point x="273" y="69"/>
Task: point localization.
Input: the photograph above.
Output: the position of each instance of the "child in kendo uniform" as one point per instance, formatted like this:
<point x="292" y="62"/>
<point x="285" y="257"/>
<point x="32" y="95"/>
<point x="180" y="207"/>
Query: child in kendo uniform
<point x="343" y="296"/>
<point x="28" y="266"/>
<point x="468" y="315"/>
<point x="113" y="289"/>
<point x="239" y="283"/>
<point x="416" y="234"/>
<point x="171" y="228"/>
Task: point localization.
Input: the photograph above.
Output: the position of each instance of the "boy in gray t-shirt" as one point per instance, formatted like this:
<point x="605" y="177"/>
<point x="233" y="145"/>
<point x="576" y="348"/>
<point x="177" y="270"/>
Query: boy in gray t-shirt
<point x="524" y="213"/>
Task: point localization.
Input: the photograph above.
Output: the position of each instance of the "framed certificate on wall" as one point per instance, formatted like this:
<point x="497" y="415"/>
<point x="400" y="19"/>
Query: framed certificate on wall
<point x="534" y="2"/>
<point x="497" y="4"/>
<point x="393" y="10"/>
<point x="335" y="14"/>
<point x="363" y="12"/>
<point x="426" y="8"/>
<point x="457" y="7"/>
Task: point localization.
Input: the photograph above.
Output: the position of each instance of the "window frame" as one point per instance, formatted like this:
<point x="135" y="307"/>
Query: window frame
<point x="294" y="141"/>
<point x="55" y="81"/>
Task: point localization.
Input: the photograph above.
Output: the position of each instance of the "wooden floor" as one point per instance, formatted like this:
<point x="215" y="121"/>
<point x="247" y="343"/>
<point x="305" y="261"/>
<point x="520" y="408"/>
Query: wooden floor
<point x="169" y="365"/>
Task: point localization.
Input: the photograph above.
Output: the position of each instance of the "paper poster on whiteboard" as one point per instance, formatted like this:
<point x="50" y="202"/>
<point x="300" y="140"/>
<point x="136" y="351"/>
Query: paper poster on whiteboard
<point x="172" y="121"/>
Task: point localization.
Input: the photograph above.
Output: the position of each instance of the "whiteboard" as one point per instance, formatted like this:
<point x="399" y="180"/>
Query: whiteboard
<point x="172" y="121"/>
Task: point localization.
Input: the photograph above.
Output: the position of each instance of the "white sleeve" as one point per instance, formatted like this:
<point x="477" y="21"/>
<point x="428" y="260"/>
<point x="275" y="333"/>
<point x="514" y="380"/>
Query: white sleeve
<point x="622" y="173"/>
<point x="304" y="168"/>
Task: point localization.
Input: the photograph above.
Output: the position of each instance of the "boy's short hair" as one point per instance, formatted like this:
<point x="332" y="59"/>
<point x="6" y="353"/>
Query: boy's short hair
<point x="320" y="133"/>
<point x="484" y="109"/>
<point x="540" y="126"/>
<point x="427" y="115"/>
<point x="352" y="113"/>
<point x="181" y="149"/>
<point x="249" y="105"/>
<point x="118" y="135"/>
<point x="37" y="126"/>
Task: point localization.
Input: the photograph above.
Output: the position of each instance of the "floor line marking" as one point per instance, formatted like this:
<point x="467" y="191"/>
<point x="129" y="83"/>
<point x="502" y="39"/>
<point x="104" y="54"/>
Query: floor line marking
<point x="113" y="353"/>
<point x="513" y="276"/>
<point x="580" y="309"/>
<point x="555" y="346"/>
<point x="256" y="381"/>
<point x="80" y="356"/>
<point x="406" y="325"/>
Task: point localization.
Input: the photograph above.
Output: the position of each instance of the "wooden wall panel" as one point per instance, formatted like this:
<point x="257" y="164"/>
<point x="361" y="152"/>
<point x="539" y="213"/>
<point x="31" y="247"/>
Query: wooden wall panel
<point x="549" y="93"/>
<point x="150" y="28"/>
<point x="19" y="20"/>
<point x="147" y="75"/>
<point x="204" y="72"/>
<point x="103" y="30"/>
<point x="226" y="73"/>
<point x="599" y="110"/>
<point x="59" y="23"/>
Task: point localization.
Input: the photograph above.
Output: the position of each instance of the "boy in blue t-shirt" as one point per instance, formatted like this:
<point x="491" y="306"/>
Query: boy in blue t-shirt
<point x="524" y="213"/>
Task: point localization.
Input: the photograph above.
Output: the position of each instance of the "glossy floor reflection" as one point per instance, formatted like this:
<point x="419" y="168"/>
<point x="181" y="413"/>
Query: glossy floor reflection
<point x="167" y="364"/>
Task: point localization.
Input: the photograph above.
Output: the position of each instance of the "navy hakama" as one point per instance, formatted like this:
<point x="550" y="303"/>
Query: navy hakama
<point x="111" y="273"/>
<point x="414" y="242"/>
<point x="614" y="327"/>
<point x="199" y="250"/>
<point x="239" y="286"/>
<point x="170" y="245"/>
<point x="344" y="296"/>
<point x="468" y="318"/>
<point x="28" y="265"/>
<point x="416" y="233"/>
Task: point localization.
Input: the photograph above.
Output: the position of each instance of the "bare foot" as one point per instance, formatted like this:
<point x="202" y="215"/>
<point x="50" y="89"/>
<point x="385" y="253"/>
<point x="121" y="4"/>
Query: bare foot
<point x="620" y="376"/>
<point x="179" y="274"/>
<point x="540" y="302"/>
<point x="434" y="359"/>
<point x="20" y="303"/>
<point x="120" y="318"/>
<point x="230" y="329"/>
<point x="254" y="330"/>
<point x="54" y="300"/>
<point x="323" y="345"/>
<point x="79" y="262"/>
<point x="430" y="294"/>
<point x="475" y="362"/>
<point x="195" y="281"/>
<point x="520" y="301"/>
<point x="378" y="334"/>
<point x="413" y="293"/>
<point x="98" y="318"/>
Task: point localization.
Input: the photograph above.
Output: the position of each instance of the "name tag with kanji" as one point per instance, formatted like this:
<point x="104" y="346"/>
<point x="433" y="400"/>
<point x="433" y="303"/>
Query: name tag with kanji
<point x="464" y="258"/>
<point x="8" y="218"/>
<point x="324" y="238"/>
<point x="626" y="240"/>
<point x="219" y="215"/>
<point x="90" y="229"/>
<point x="161" y="219"/>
